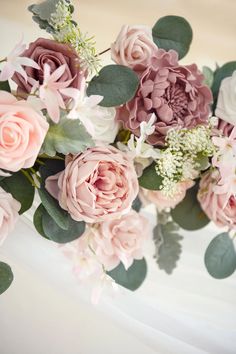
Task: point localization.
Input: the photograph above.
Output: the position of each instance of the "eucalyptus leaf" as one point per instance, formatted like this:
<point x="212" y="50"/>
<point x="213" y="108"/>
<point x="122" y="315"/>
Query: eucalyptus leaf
<point x="38" y="223"/>
<point x="150" y="179"/>
<point x="44" y="9"/>
<point x="188" y="214"/>
<point x="6" y="277"/>
<point x="68" y="136"/>
<point x="4" y="86"/>
<point x="173" y="32"/>
<point x="208" y="76"/>
<point x="20" y="188"/>
<point x="55" y="233"/>
<point x="168" y="246"/>
<point x="137" y="204"/>
<point x="116" y="83"/>
<point x="60" y="216"/>
<point x="220" y="257"/>
<point x="50" y="168"/>
<point x="131" y="278"/>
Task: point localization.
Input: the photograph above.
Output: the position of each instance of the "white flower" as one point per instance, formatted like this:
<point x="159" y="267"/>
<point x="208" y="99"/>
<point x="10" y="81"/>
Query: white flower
<point x="15" y="63"/>
<point x="226" y="104"/>
<point x="99" y="121"/>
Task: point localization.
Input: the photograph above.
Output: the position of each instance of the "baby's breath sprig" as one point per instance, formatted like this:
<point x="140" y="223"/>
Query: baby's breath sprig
<point x="181" y="160"/>
<point x="68" y="31"/>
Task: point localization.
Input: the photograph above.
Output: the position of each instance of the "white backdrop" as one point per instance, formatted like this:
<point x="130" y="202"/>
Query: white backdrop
<point x="47" y="311"/>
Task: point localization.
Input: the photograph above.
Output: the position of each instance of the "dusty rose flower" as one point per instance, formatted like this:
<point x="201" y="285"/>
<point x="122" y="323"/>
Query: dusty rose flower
<point x="121" y="240"/>
<point x="96" y="185"/>
<point x="175" y="93"/>
<point x="163" y="202"/>
<point x="47" y="51"/>
<point x="22" y="132"/>
<point x="9" y="208"/>
<point x="133" y="46"/>
<point x="220" y="208"/>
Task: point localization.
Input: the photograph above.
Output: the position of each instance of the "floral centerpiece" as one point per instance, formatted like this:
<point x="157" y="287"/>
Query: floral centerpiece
<point x="100" y="144"/>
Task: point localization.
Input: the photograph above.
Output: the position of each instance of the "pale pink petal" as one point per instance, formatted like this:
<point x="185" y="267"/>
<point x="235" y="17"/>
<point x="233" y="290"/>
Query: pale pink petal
<point x="7" y="72"/>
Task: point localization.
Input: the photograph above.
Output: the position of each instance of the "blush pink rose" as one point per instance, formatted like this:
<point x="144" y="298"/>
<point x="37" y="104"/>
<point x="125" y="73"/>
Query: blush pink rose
<point x="96" y="185"/>
<point x="22" y="132"/>
<point x="133" y="46"/>
<point x="174" y="93"/>
<point x="163" y="202"/>
<point x="220" y="208"/>
<point x="121" y="240"/>
<point x="9" y="208"/>
<point x="46" y="51"/>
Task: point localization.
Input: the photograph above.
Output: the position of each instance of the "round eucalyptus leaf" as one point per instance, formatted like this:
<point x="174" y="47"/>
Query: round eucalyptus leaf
<point x="59" y="235"/>
<point x="6" y="277"/>
<point x="188" y="214"/>
<point x="116" y="83"/>
<point x="38" y="220"/>
<point x="220" y="257"/>
<point x="150" y="179"/>
<point x="224" y="71"/>
<point x="173" y="32"/>
<point x="131" y="278"/>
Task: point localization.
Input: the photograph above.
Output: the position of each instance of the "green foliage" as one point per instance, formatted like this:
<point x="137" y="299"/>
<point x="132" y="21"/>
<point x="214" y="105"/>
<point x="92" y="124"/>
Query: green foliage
<point x="173" y="32"/>
<point x="208" y="76"/>
<point x="188" y="214"/>
<point x="6" y="277"/>
<point x="4" y="86"/>
<point x="55" y="233"/>
<point x="220" y="257"/>
<point x="222" y="72"/>
<point x="38" y="223"/>
<point x="168" y="246"/>
<point x="131" y="278"/>
<point x="137" y="204"/>
<point x="20" y="188"/>
<point x="68" y="136"/>
<point x="150" y="179"/>
<point x="116" y="83"/>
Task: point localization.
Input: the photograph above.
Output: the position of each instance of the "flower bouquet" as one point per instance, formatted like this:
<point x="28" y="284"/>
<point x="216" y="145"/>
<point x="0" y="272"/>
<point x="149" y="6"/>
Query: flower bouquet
<point x="98" y="144"/>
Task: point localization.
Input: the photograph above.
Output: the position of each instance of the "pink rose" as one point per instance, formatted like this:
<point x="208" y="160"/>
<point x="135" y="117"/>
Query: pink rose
<point x="133" y="46"/>
<point x="163" y="202"/>
<point x="47" y="51"/>
<point x="9" y="208"/>
<point x="22" y="132"/>
<point x="96" y="185"/>
<point x="175" y="93"/>
<point x="121" y="240"/>
<point x="220" y="208"/>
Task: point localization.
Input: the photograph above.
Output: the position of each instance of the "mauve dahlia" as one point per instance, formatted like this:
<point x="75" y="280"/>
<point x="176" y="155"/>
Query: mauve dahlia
<point x="175" y="93"/>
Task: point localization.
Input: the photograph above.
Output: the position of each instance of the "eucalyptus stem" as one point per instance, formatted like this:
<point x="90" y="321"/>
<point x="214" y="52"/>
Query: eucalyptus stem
<point x="104" y="51"/>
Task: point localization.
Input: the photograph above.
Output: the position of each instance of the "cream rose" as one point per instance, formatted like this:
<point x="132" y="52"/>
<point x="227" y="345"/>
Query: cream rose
<point x="226" y="103"/>
<point x="121" y="240"/>
<point x="9" y="208"/>
<point x="22" y="132"/>
<point x="133" y="46"/>
<point x="96" y="185"/>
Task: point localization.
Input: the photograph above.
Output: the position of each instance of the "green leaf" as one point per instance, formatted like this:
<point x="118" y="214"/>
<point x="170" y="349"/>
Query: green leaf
<point x="150" y="179"/>
<point x="173" y="32"/>
<point x="45" y="9"/>
<point x="220" y="257"/>
<point x="116" y="83"/>
<point x="4" y="86"/>
<point x="188" y="214"/>
<point x="168" y="247"/>
<point x="20" y="188"/>
<point x="137" y="204"/>
<point x="6" y="277"/>
<point x="131" y="278"/>
<point x="208" y="76"/>
<point x="38" y="223"/>
<point x="59" y="235"/>
<point x="221" y="73"/>
<point x="68" y="136"/>
<point x="60" y="216"/>
<point x="50" y="168"/>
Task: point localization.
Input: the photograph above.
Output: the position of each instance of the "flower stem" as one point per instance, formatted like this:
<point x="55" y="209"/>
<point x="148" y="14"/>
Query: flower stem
<point x="104" y="51"/>
<point x="29" y="177"/>
<point x="2" y="60"/>
<point x="44" y="156"/>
